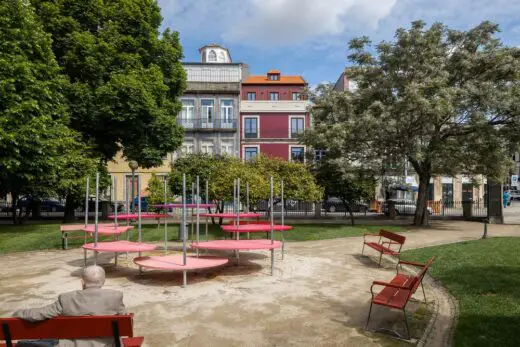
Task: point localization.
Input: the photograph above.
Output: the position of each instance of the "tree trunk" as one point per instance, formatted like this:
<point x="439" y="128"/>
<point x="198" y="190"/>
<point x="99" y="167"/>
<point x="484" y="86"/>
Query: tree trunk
<point x="421" y="210"/>
<point x="14" y="202"/>
<point x="70" y="206"/>
<point x="347" y="207"/>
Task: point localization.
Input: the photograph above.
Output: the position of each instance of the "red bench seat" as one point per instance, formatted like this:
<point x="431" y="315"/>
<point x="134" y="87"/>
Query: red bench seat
<point x="118" y="327"/>
<point x="397" y="293"/>
<point x="384" y="245"/>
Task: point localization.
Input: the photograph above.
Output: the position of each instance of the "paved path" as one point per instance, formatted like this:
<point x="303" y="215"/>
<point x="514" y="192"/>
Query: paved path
<point x="319" y="295"/>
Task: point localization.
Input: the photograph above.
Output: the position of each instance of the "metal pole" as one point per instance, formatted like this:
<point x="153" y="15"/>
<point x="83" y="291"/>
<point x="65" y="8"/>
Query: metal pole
<point x="272" y="224"/>
<point x="96" y="210"/>
<point x="238" y="218"/>
<point x="191" y="215"/>
<point x="133" y="192"/>
<point x="96" y="222"/>
<point x="86" y="202"/>
<point x="165" y="219"/>
<point x="247" y="197"/>
<point x="139" y="208"/>
<point x="283" y="210"/>
<point x="207" y="201"/>
<point x="115" y="199"/>
<point x="198" y="217"/>
<point x="184" y="219"/>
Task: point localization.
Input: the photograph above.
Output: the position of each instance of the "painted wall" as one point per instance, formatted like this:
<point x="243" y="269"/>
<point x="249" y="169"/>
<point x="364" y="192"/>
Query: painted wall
<point x="275" y="125"/>
<point x="262" y="91"/>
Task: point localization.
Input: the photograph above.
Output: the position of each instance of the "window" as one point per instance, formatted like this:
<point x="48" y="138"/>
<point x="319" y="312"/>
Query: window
<point x="250" y="152"/>
<point x="212" y="56"/>
<point x="206" y="147"/>
<point x="251" y="128"/>
<point x="226" y="113"/>
<point x="319" y="154"/>
<point x="251" y="96"/>
<point x="273" y="77"/>
<point x="296" y="96"/>
<point x="297" y="126"/>
<point x="274" y="96"/>
<point x="226" y="147"/>
<point x="206" y="113"/>
<point x="221" y="57"/>
<point x="297" y="154"/>
<point x="187" y="113"/>
<point x="187" y="148"/>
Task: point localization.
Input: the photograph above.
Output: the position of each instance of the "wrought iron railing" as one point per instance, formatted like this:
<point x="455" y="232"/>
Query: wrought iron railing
<point x="207" y="124"/>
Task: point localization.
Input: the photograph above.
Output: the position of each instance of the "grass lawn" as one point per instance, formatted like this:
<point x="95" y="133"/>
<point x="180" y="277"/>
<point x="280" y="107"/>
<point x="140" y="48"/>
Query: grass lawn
<point x="484" y="276"/>
<point x="14" y="238"/>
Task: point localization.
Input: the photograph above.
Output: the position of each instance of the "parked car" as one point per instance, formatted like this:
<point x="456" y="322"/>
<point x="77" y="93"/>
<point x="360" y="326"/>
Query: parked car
<point x="514" y="194"/>
<point x="46" y="205"/>
<point x="403" y="207"/>
<point x="333" y="204"/>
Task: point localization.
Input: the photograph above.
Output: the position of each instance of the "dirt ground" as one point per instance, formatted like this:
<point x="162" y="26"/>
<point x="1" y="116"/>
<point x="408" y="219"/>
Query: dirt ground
<point x="318" y="296"/>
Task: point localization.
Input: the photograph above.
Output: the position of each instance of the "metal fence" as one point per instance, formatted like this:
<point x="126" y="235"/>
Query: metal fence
<point x="292" y="209"/>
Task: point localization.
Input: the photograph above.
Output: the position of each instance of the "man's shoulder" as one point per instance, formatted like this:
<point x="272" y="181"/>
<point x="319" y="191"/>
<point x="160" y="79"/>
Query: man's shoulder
<point x="100" y="292"/>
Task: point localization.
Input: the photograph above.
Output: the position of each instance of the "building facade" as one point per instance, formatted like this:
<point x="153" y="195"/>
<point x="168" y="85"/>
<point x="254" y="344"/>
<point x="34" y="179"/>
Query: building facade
<point x="211" y="104"/>
<point x="273" y="112"/>
<point x="210" y="116"/>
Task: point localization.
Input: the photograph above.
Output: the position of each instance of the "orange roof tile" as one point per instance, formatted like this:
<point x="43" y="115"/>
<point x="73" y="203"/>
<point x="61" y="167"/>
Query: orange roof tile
<point x="282" y="80"/>
<point x="273" y="72"/>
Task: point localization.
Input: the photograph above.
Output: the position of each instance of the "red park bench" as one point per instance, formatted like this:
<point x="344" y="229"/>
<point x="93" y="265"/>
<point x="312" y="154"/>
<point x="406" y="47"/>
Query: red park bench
<point x="120" y="327"/>
<point x="397" y="293"/>
<point x="384" y="245"/>
<point x="66" y="229"/>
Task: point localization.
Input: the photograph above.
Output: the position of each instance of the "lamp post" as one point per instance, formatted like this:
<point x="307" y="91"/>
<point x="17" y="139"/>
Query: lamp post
<point x="132" y="164"/>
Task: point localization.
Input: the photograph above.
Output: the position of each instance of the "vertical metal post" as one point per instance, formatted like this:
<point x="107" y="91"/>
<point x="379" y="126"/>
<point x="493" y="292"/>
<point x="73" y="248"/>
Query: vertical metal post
<point x="207" y="202"/>
<point x="133" y="191"/>
<point x="247" y="197"/>
<point x="166" y="218"/>
<point x="96" y="221"/>
<point x="283" y="220"/>
<point x="86" y="202"/>
<point x="139" y="209"/>
<point x="191" y="216"/>
<point x="272" y="224"/>
<point x="238" y="218"/>
<point x="115" y="200"/>
<point x="184" y="220"/>
<point x="198" y="212"/>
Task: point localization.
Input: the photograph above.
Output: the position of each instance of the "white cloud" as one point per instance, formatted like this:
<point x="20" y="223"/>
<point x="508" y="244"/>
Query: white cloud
<point x="295" y="21"/>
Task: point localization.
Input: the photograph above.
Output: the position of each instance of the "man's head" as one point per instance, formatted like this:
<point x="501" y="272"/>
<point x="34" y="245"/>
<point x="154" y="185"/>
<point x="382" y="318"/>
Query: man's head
<point x="93" y="277"/>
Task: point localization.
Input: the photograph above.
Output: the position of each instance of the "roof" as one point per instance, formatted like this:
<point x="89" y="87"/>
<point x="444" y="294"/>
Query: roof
<point x="273" y="72"/>
<point x="214" y="45"/>
<point x="282" y="80"/>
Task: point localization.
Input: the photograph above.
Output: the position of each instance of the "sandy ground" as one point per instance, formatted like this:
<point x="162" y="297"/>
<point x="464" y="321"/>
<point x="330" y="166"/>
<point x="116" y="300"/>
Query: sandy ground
<point x="319" y="295"/>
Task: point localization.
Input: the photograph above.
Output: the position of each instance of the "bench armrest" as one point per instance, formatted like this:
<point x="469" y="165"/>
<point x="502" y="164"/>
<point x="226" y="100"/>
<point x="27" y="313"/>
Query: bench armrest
<point x="132" y="341"/>
<point x="411" y="263"/>
<point x="386" y="284"/>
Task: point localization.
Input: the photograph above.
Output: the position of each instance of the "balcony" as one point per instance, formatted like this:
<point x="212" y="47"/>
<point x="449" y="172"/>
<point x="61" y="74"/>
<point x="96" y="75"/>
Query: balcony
<point x="203" y="124"/>
<point x="298" y="106"/>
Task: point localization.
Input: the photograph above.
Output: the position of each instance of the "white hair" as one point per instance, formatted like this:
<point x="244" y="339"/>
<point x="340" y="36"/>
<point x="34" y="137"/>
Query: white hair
<point x="93" y="276"/>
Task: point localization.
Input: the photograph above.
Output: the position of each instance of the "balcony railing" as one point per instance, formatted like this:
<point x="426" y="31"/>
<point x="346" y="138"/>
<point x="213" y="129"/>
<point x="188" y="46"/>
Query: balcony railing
<point x="207" y="124"/>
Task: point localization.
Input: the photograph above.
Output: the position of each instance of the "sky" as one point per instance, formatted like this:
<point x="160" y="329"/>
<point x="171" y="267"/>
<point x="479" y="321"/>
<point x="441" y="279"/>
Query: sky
<point x="310" y="37"/>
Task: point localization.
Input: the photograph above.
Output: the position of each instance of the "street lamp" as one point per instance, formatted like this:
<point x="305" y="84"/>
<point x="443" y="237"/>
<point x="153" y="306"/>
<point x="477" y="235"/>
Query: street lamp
<point x="132" y="164"/>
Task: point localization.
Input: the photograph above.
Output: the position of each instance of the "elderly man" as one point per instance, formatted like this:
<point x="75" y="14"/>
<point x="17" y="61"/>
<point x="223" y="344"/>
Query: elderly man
<point x="91" y="301"/>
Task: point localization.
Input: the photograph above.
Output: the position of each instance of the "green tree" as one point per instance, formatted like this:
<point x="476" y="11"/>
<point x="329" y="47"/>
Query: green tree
<point x="155" y="191"/>
<point x="444" y="100"/>
<point x="36" y="146"/>
<point x="125" y="76"/>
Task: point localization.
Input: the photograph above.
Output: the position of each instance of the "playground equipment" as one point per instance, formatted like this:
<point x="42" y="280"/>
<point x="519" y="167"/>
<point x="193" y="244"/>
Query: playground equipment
<point x="182" y="262"/>
<point x="118" y="246"/>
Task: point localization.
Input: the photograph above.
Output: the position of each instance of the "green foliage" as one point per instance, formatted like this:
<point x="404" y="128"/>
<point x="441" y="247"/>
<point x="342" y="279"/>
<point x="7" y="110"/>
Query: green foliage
<point x="39" y="155"/>
<point x="124" y="75"/>
<point x="445" y="100"/>
<point x="155" y="190"/>
<point x="299" y="184"/>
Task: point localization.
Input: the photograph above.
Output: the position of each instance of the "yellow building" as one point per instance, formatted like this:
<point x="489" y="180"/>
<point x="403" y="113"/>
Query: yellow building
<point x="121" y="172"/>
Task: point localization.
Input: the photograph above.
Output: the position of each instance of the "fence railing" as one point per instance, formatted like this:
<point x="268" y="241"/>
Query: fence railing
<point x="207" y="124"/>
<point x="292" y="209"/>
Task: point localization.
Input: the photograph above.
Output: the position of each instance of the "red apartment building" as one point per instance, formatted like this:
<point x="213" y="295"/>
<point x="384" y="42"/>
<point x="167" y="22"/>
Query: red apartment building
<point x="272" y="113"/>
